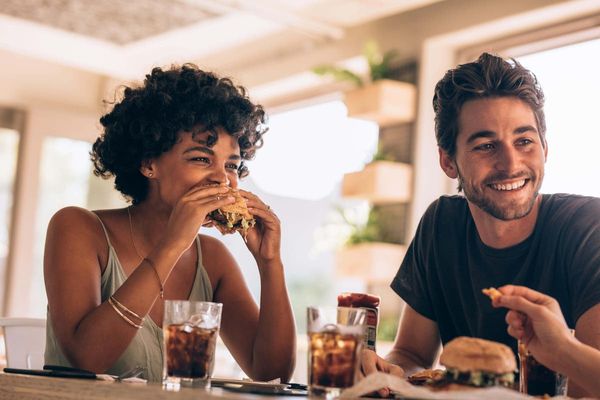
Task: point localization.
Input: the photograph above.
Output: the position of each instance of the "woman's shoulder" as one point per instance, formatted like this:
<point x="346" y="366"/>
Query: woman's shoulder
<point x="73" y="216"/>
<point x="212" y="246"/>
<point x="216" y="257"/>
<point x="79" y="224"/>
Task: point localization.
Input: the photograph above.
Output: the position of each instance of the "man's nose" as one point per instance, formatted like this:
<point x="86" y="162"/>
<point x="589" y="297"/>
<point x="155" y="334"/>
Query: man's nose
<point x="507" y="159"/>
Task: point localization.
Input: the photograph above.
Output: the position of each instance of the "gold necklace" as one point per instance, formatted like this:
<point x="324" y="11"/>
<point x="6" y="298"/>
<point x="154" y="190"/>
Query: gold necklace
<point x="131" y="233"/>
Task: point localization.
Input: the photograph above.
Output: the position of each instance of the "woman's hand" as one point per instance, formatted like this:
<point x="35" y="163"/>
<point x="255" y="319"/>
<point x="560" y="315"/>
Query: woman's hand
<point x="264" y="239"/>
<point x="536" y="320"/>
<point x="190" y="213"/>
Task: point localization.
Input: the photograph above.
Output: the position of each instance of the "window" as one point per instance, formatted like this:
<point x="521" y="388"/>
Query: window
<point x="569" y="77"/>
<point x="298" y="172"/>
<point x="65" y="180"/>
<point x="9" y="148"/>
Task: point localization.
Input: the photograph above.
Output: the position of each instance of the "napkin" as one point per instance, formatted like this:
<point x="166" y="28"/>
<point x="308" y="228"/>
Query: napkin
<point x="111" y="378"/>
<point x="401" y="388"/>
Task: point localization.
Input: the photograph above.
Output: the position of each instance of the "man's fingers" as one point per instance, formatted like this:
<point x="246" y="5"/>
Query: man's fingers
<point x="395" y="370"/>
<point x="368" y="362"/>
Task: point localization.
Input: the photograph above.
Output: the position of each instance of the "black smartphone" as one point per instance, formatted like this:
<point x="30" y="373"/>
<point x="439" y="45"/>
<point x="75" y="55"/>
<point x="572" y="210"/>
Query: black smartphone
<point x="52" y="373"/>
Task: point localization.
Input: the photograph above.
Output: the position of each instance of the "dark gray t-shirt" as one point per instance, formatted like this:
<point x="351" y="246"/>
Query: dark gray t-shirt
<point x="447" y="265"/>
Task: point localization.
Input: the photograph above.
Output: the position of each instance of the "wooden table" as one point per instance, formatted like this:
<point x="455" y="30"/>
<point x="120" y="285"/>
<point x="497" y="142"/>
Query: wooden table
<point x="25" y="387"/>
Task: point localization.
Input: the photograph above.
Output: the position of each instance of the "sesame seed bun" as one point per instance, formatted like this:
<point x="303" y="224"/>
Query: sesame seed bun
<point x="468" y="354"/>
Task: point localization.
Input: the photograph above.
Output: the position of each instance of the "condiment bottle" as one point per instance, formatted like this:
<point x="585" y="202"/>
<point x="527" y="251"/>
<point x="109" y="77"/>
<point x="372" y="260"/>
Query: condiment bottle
<point x="371" y="304"/>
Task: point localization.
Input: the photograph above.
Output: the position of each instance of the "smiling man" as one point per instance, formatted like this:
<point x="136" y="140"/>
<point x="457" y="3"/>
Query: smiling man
<point x="491" y="136"/>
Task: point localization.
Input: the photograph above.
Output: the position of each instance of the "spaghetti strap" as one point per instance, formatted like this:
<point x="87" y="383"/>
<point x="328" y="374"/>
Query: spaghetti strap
<point x="104" y="229"/>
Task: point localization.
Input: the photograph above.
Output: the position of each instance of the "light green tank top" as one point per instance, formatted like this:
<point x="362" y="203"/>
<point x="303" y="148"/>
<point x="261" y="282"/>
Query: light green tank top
<point x="146" y="348"/>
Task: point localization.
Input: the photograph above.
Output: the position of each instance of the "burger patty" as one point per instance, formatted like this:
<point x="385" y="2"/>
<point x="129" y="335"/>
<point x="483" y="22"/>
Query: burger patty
<point x="479" y="378"/>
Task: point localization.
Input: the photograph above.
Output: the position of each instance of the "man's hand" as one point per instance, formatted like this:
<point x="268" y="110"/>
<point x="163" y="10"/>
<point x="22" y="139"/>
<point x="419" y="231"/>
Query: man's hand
<point x="371" y="362"/>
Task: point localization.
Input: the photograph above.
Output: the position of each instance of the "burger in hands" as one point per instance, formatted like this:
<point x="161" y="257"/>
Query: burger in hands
<point x="233" y="217"/>
<point x="477" y="363"/>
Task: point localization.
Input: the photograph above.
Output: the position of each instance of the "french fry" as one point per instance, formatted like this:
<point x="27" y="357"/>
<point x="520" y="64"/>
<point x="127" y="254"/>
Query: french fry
<point x="492" y="293"/>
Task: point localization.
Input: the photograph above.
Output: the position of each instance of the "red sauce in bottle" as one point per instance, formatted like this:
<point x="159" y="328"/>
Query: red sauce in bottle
<point x="371" y="304"/>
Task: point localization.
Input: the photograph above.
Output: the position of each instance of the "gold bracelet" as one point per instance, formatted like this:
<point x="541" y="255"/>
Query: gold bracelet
<point x="130" y="322"/>
<point x="151" y="264"/>
<point x="123" y="308"/>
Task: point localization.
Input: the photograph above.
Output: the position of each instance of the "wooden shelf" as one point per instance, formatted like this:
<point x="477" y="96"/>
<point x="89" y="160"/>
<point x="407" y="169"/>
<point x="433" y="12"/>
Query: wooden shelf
<point x="386" y="102"/>
<point x="380" y="182"/>
<point x="373" y="262"/>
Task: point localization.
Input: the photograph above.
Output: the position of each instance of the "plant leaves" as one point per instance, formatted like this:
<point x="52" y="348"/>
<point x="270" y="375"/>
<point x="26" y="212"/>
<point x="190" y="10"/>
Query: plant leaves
<point x="339" y="74"/>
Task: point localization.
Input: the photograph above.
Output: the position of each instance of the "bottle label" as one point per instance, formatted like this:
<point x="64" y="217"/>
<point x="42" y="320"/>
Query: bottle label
<point x="371" y="328"/>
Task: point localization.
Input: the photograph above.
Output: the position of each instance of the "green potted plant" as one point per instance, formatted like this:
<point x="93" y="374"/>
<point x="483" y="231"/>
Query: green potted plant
<point x="366" y="254"/>
<point x="377" y="98"/>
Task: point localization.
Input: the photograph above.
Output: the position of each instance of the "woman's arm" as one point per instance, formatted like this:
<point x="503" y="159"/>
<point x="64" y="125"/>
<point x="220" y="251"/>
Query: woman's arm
<point x="263" y="341"/>
<point x="536" y="320"/>
<point x="92" y="334"/>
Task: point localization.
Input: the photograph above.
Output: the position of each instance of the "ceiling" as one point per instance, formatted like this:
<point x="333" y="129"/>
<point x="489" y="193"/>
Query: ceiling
<point x="123" y="39"/>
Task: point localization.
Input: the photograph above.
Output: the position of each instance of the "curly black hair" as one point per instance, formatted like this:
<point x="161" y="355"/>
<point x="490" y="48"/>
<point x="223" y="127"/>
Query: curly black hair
<point x="489" y="76"/>
<point x="148" y="119"/>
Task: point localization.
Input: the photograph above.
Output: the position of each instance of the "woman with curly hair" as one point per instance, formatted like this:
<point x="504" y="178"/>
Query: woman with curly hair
<point x="175" y="145"/>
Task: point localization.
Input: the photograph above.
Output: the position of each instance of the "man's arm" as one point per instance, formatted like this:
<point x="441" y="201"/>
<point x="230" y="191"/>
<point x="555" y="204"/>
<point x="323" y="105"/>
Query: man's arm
<point x="587" y="330"/>
<point x="417" y="343"/>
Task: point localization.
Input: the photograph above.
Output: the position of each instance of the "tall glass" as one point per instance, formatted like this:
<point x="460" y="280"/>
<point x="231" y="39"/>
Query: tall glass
<point x="334" y="349"/>
<point x="190" y="336"/>
<point x="537" y="380"/>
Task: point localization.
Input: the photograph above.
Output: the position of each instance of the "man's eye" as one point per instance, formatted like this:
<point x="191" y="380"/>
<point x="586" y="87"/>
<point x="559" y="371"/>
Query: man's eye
<point x="485" y="147"/>
<point x="524" y="142"/>
<point x="201" y="159"/>
<point x="233" y="167"/>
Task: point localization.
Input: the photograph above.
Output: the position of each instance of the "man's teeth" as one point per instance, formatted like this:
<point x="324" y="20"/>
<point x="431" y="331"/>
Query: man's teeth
<point x="509" y="186"/>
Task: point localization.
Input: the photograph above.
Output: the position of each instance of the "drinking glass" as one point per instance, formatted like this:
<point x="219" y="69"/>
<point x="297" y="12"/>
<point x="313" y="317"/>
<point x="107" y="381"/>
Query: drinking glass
<point x="536" y="379"/>
<point x="334" y="348"/>
<point x="190" y="336"/>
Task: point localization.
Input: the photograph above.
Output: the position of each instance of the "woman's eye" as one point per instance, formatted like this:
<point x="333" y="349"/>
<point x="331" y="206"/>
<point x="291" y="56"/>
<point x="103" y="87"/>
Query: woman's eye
<point x="233" y="167"/>
<point x="201" y="159"/>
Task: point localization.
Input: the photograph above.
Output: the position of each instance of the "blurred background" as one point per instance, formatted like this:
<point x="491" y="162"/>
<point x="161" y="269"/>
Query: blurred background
<point x="350" y="161"/>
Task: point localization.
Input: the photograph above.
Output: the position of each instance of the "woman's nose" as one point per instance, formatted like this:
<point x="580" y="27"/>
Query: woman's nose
<point x="219" y="175"/>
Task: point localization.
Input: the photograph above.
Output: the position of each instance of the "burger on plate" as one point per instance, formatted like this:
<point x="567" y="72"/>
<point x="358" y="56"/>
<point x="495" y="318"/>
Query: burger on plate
<point x="476" y="362"/>
<point x="233" y="217"/>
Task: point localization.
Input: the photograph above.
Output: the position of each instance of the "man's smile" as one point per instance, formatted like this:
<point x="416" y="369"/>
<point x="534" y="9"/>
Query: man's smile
<point x="509" y="186"/>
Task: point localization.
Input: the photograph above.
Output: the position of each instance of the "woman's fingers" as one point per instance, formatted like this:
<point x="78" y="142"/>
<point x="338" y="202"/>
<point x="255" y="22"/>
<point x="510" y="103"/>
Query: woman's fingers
<point x="197" y="192"/>
<point x="526" y="293"/>
<point x="515" y="332"/>
<point x="265" y="215"/>
<point x="516" y="319"/>
<point x="253" y="201"/>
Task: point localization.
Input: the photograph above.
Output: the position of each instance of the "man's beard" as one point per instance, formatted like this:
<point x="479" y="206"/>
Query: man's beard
<point x="506" y="212"/>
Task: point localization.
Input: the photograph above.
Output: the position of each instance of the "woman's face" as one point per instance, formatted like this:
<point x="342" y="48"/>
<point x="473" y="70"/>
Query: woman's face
<point x="208" y="157"/>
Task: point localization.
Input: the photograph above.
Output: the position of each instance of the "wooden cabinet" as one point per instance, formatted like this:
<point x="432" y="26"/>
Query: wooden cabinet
<point x="386" y="102"/>
<point x="373" y="262"/>
<point x="380" y="182"/>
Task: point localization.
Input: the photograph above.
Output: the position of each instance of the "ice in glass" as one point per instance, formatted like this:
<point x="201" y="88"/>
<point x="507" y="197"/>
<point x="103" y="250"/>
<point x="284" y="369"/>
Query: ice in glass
<point x="335" y="342"/>
<point x="190" y="337"/>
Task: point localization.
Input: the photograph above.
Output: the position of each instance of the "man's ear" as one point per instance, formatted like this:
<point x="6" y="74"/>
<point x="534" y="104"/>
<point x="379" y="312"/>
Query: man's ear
<point x="448" y="164"/>
<point x="148" y="169"/>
